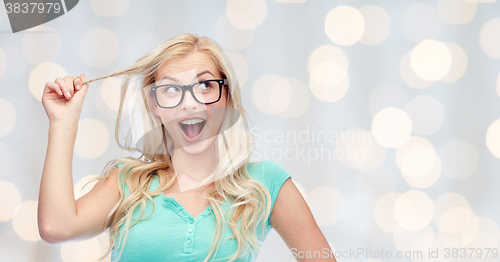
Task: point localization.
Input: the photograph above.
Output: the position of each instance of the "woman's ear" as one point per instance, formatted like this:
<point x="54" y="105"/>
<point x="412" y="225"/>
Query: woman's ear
<point x="156" y="110"/>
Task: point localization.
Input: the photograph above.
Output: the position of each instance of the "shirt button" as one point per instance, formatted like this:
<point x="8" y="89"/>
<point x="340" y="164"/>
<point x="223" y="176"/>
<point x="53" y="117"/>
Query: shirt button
<point x="188" y="241"/>
<point x="190" y="230"/>
<point x="191" y="221"/>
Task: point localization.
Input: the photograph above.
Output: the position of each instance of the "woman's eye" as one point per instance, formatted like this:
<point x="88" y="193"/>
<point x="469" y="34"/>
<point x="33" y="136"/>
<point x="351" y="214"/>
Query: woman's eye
<point x="204" y="86"/>
<point x="171" y="89"/>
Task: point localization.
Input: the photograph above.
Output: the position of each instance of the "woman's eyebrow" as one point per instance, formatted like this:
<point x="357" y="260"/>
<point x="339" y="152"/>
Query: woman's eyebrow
<point x="198" y="75"/>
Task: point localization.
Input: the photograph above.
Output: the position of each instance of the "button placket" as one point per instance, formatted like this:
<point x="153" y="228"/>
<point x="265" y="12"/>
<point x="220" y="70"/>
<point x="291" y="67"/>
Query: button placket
<point x="189" y="243"/>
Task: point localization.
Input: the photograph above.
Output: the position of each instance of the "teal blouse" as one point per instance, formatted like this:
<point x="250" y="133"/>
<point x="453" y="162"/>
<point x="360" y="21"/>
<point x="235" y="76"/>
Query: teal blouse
<point x="173" y="234"/>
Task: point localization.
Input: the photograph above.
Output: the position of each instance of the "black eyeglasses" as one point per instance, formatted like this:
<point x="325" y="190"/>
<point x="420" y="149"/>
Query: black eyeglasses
<point x="204" y="92"/>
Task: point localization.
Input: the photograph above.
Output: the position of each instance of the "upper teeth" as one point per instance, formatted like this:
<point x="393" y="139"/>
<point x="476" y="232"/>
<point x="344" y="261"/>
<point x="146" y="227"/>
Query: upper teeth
<point x="192" y="121"/>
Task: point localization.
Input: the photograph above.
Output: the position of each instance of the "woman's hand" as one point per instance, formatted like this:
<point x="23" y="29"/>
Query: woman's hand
<point x="63" y="98"/>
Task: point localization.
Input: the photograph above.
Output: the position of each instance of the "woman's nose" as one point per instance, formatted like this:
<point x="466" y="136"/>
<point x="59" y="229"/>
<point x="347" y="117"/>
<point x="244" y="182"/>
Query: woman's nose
<point x="188" y="101"/>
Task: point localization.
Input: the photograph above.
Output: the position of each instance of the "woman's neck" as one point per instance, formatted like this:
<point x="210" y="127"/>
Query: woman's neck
<point x="194" y="171"/>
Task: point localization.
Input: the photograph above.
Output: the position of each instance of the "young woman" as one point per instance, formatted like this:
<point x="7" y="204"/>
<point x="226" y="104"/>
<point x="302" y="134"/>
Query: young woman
<point x="192" y="195"/>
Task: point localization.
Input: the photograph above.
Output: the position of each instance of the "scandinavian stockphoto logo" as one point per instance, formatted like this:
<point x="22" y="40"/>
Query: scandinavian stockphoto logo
<point x="25" y="14"/>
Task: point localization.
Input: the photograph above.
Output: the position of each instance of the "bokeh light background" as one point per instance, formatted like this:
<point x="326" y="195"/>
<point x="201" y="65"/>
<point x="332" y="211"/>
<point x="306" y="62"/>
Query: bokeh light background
<point x="395" y="107"/>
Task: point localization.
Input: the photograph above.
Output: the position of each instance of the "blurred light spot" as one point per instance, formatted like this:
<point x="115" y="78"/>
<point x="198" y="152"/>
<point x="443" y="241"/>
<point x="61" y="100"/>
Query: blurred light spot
<point x="418" y="162"/>
<point x="344" y="25"/>
<point x="103" y="240"/>
<point x="5" y="159"/>
<point x="430" y="242"/>
<point x="458" y="63"/>
<point x="498" y="85"/>
<point x="110" y="93"/>
<point x="409" y="76"/>
<point x="108" y="96"/>
<point x="230" y="37"/>
<point x="3" y="62"/>
<point x="299" y="100"/>
<point x="377" y="24"/>
<point x="431" y="60"/>
<point x="384" y="212"/>
<point x="142" y="45"/>
<point x="446" y="202"/>
<point x="10" y="199"/>
<point x="485" y="241"/>
<point x="421" y="22"/>
<point x="280" y="96"/>
<point x="7" y="117"/>
<point x="469" y="232"/>
<point x="25" y="221"/>
<point x="271" y="94"/>
<point x="328" y="73"/>
<point x="38" y="48"/>
<point x="327" y="204"/>
<point x="459" y="158"/>
<point x="456" y="12"/>
<point x="404" y="239"/>
<point x="88" y="250"/>
<point x="489" y="38"/>
<point x="425" y="180"/>
<point x="246" y="14"/>
<point x="98" y="47"/>
<point x="493" y="138"/>
<point x="475" y="230"/>
<point x="423" y="242"/>
<point x="81" y="188"/>
<point x="109" y="7"/>
<point x="92" y="138"/>
<point x="455" y="219"/>
<point x="301" y="189"/>
<point x="240" y="66"/>
<point x="407" y="155"/>
<point x="387" y="96"/>
<point x="412" y="143"/>
<point x="329" y="93"/>
<point x="391" y="127"/>
<point x="290" y="1"/>
<point x="327" y="53"/>
<point x="41" y="74"/>
<point x="413" y="210"/>
<point x="373" y="185"/>
<point x="426" y="114"/>
<point x="328" y="68"/>
<point x="355" y="148"/>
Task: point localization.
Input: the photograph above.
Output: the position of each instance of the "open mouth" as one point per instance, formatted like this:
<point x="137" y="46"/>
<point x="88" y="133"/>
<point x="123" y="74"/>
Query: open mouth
<point x="192" y="128"/>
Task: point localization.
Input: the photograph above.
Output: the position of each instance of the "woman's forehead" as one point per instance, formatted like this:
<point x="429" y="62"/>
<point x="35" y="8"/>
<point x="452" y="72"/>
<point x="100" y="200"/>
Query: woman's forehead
<point x="193" y="63"/>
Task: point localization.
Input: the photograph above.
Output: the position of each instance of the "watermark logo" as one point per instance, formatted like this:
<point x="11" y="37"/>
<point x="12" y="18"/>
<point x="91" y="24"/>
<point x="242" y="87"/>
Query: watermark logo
<point x="25" y="14"/>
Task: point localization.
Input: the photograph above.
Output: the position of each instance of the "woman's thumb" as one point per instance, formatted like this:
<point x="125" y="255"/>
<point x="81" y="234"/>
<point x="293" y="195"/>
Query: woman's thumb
<point x="84" y="88"/>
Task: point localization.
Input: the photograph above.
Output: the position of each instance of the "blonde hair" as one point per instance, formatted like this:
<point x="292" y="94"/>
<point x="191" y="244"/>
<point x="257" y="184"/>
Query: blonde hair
<point x="251" y="200"/>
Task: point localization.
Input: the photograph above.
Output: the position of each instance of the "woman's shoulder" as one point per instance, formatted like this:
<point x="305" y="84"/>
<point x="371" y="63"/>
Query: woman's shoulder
<point x="269" y="172"/>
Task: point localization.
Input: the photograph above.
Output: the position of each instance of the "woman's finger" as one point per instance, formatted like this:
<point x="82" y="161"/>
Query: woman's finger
<point x="54" y="87"/>
<point x="64" y="87"/>
<point x="84" y="78"/>
<point x="69" y="82"/>
<point x="78" y="83"/>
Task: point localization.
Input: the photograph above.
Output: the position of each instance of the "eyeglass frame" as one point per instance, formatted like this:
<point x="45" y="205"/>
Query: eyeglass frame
<point x="222" y="82"/>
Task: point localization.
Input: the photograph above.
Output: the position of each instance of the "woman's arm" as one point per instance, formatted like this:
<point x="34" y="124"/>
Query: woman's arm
<point x="60" y="217"/>
<point x="294" y="222"/>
